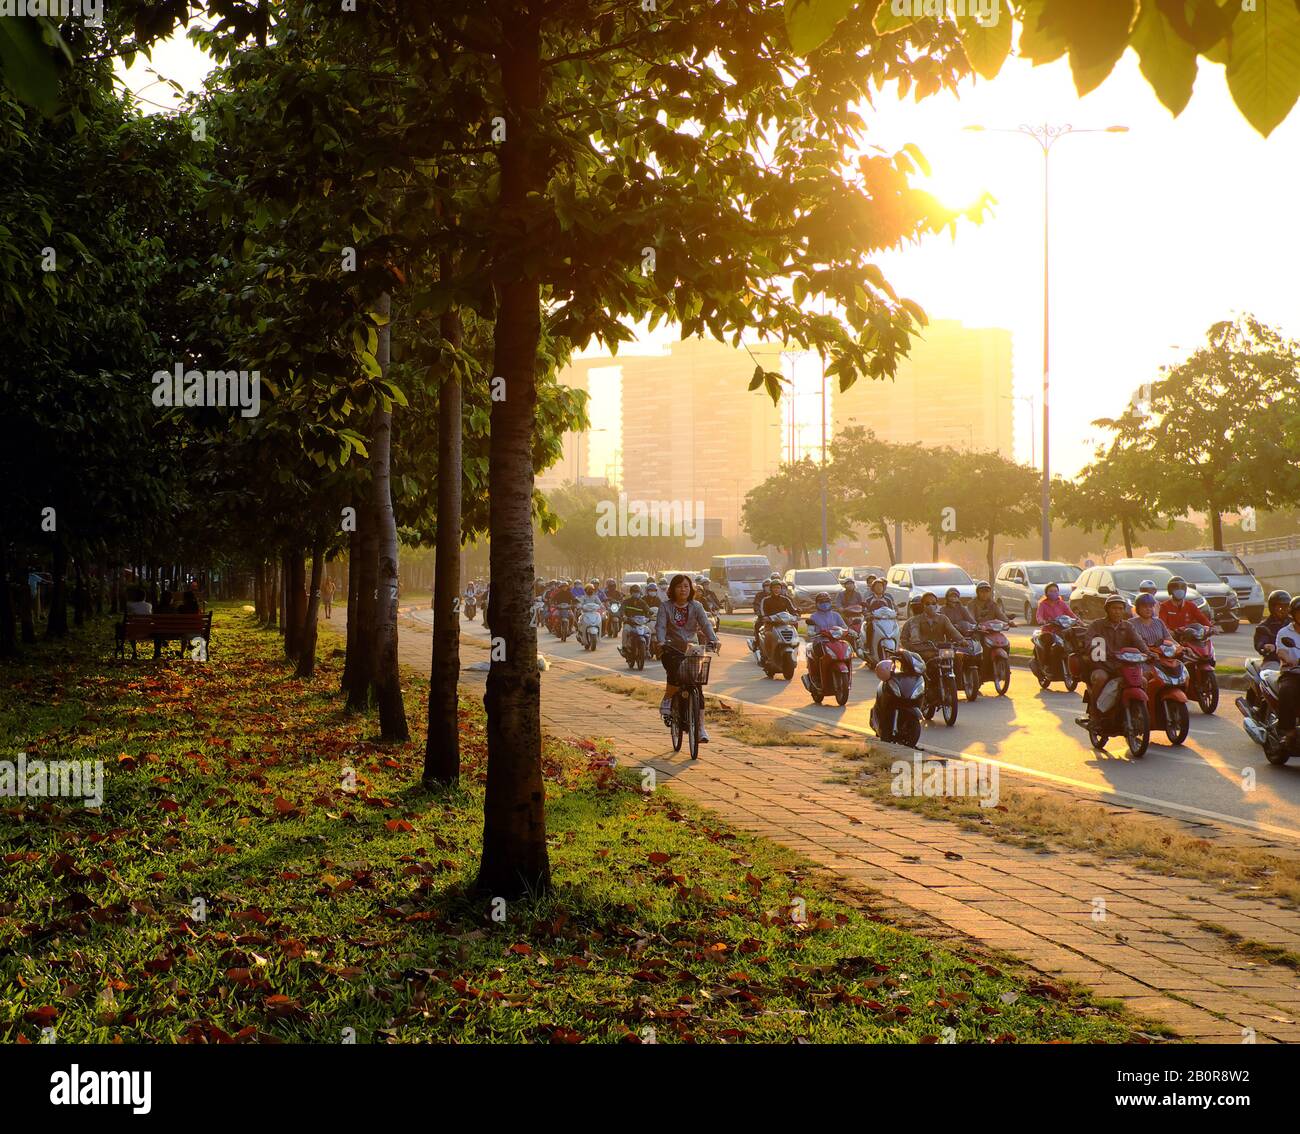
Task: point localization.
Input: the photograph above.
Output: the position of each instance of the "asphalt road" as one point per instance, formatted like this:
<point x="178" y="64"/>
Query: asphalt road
<point x="1032" y="732"/>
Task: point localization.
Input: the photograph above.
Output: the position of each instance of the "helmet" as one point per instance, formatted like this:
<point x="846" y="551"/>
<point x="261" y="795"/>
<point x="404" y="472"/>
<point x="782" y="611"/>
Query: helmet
<point x="982" y="585"/>
<point x="1145" y="599"/>
<point x="849" y="583"/>
<point x="929" y="595"/>
<point x="650" y="586"/>
<point x="634" y="589"/>
<point x="609" y="582"/>
<point x="663" y="580"/>
<point x="1176" y="581"/>
<point x="821" y="596"/>
<point x="1295" y="606"/>
<point x="775" y="575"/>
<point x="701" y="581"/>
<point x="767" y="585"/>
<point x="871" y="578"/>
<point x="1283" y="597"/>
<point x="952" y="592"/>
<point x="1147" y="587"/>
<point x="590" y="589"/>
<point x="1116" y="600"/>
<point x="878" y="579"/>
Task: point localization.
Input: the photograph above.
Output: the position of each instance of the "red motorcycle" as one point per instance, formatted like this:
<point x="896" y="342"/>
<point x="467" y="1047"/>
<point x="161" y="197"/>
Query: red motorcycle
<point x="995" y="656"/>
<point x="853" y="616"/>
<point x="1122" y="706"/>
<point x="1167" y="691"/>
<point x="830" y="665"/>
<point x="1198" y="656"/>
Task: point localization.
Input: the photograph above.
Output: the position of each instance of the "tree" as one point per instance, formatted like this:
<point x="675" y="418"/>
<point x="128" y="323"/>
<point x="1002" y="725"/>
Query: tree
<point x="1218" y="432"/>
<point x="786" y="511"/>
<point x="984" y="495"/>
<point x="1257" y="42"/>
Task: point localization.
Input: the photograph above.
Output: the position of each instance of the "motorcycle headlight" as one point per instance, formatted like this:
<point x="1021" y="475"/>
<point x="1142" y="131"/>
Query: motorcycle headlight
<point x="1233" y="600"/>
<point x="1173" y="676"/>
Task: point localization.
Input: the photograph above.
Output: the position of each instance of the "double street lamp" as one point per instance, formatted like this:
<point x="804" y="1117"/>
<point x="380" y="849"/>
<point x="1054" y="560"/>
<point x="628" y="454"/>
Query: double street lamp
<point x="1046" y="136"/>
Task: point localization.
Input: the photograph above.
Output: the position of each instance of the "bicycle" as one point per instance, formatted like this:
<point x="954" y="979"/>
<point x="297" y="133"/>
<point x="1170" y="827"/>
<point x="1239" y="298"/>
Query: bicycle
<point x="686" y="717"/>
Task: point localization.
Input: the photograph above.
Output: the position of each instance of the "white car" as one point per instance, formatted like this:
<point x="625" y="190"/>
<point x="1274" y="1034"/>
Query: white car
<point x="640" y="578"/>
<point x="906" y="581"/>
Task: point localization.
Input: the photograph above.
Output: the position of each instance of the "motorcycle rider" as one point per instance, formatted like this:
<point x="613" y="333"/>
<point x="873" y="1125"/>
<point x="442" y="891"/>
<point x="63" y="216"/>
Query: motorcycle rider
<point x="1287" y="648"/>
<point x="1051" y="605"/>
<point x="611" y="592"/>
<point x="1149" y="628"/>
<point x="577" y="588"/>
<point x="680" y="620"/>
<point x="1279" y="614"/>
<point x="652" y="596"/>
<point x="955" y="610"/>
<point x="823" y="617"/>
<point x="1178" y="610"/>
<point x="849" y="594"/>
<point x="986" y="608"/>
<point x="930" y="625"/>
<point x="879" y="596"/>
<point x="775" y="602"/>
<point x="761" y="594"/>
<point x="1115" y="633"/>
<point x="633" y="605"/>
<point x="707" y="598"/>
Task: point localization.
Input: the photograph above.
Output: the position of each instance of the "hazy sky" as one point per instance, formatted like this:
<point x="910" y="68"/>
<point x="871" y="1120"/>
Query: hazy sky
<point x="1155" y="234"/>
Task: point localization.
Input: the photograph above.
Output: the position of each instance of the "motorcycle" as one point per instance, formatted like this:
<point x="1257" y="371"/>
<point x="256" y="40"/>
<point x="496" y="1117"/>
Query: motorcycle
<point x="591" y="619"/>
<point x="1260" y="708"/>
<point x="995" y="657"/>
<point x="967" y="659"/>
<point x="614" y="619"/>
<point x="830" y="665"/>
<point x="853" y="616"/>
<point x="539" y="613"/>
<point x="896" y="712"/>
<point x="471" y="607"/>
<point x="636" y="642"/>
<point x="884" y="633"/>
<point x="777" y="647"/>
<point x="1122" y="706"/>
<point x="1198" y="656"/>
<point x="1057" y="647"/>
<point x="940" y="683"/>
<point x="1167" y="692"/>
<point x="564" y="621"/>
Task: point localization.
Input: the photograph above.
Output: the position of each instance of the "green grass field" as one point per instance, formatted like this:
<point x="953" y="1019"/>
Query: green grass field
<point x="239" y="884"/>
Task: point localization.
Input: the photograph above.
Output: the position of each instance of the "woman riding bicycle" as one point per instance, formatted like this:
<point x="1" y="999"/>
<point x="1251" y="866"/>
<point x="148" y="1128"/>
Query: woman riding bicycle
<point x="680" y="619"/>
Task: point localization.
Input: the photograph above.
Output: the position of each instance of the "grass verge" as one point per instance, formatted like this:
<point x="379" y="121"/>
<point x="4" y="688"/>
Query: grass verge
<point x="262" y="870"/>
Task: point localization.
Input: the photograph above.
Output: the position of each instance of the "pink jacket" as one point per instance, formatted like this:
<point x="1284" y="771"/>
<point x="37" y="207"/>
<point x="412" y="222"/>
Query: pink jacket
<point x="1048" y="610"/>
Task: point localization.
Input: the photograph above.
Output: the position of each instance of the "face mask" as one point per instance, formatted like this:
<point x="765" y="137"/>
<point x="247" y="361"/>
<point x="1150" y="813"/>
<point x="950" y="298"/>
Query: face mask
<point x="823" y="606"/>
<point x="1178" y="594"/>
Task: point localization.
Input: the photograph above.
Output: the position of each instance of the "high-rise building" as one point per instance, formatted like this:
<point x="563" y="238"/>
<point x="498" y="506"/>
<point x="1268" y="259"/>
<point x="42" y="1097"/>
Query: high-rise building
<point x="954" y="389"/>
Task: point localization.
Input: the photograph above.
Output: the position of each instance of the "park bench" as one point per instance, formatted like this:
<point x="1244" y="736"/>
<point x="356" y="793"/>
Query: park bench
<point x="181" y="628"/>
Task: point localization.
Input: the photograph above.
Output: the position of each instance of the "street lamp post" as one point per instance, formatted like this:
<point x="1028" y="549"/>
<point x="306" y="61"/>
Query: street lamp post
<point x="1046" y="136"/>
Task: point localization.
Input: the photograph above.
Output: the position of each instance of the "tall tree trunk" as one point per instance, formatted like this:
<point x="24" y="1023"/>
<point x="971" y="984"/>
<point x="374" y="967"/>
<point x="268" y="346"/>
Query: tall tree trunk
<point x="889" y="543"/>
<point x="388" y="681"/>
<point x="1126" y="529"/>
<point x="258" y="603"/>
<point x="274" y="570"/>
<point x="26" y="621"/>
<point x="442" y="742"/>
<point x="350" y="646"/>
<point x="79" y="594"/>
<point x="56" y="624"/>
<point x="287" y="628"/>
<point x="295" y="605"/>
<point x="367" y="568"/>
<point x="1216" y="526"/>
<point x="307" y="641"/>
<point x="514" y="860"/>
<point x="934" y="547"/>
<point x="992" y="572"/>
<point x="8" y="630"/>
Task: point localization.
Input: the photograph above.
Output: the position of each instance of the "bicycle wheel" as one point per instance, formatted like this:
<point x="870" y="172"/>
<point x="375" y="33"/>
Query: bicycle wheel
<point x="694" y="719"/>
<point x="676" y="715"/>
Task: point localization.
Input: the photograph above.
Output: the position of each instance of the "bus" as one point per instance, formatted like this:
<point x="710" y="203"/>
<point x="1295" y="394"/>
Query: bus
<point x="736" y="579"/>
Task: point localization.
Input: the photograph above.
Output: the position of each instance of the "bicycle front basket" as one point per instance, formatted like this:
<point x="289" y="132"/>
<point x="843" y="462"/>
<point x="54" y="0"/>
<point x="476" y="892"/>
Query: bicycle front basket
<point x="694" y="669"/>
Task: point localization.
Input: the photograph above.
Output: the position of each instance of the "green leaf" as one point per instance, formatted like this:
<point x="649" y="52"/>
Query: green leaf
<point x="26" y="64"/>
<point x="370" y="364"/>
<point x="1037" y="43"/>
<point x="986" y="45"/>
<point x="379" y="318"/>
<point x="809" y="23"/>
<point x="1166" y="59"/>
<point x="757" y="380"/>
<point x="1264" y="66"/>
<point x="887" y="20"/>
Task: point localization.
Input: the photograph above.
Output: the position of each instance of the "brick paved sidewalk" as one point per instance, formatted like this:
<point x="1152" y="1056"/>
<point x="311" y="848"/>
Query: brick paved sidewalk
<point x="1148" y="952"/>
